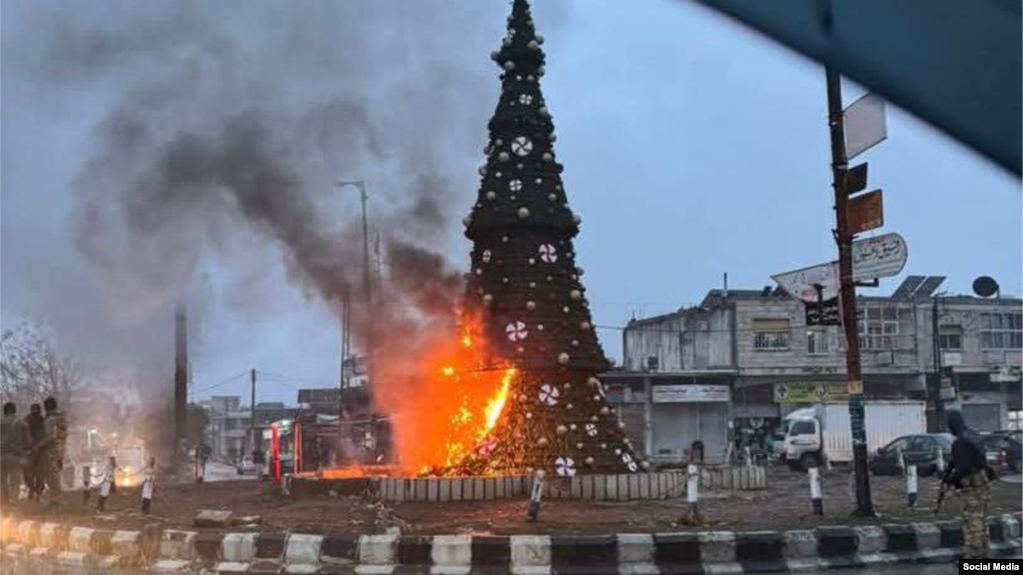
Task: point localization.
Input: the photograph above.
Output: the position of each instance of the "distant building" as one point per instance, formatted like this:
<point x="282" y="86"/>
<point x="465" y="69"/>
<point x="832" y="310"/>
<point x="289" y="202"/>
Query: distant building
<point x="732" y="366"/>
<point x="229" y="433"/>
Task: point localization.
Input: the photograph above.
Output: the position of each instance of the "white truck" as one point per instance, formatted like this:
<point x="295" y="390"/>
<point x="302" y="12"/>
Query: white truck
<point x="823" y="432"/>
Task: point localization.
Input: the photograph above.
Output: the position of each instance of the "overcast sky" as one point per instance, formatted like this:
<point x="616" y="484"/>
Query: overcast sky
<point x="692" y="147"/>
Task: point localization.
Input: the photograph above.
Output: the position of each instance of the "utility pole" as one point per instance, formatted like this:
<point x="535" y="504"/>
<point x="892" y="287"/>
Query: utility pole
<point x="847" y="293"/>
<point x="180" y="375"/>
<point x="252" y="410"/>
<point x="935" y="403"/>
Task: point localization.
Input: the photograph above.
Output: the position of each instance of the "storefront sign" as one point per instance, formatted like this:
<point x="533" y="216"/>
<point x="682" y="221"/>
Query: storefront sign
<point x="810" y="392"/>
<point x="690" y="393"/>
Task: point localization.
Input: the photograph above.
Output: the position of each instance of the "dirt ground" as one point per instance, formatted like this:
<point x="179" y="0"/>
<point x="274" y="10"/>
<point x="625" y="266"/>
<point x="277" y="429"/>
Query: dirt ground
<point x="784" y="505"/>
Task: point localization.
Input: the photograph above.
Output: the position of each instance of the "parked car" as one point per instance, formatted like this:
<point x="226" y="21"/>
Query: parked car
<point x="1003" y="450"/>
<point x="921" y="450"/>
<point x="246" y="467"/>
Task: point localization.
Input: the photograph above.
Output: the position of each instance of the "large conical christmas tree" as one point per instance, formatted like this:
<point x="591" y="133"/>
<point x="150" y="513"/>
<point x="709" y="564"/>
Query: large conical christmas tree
<point x="527" y="288"/>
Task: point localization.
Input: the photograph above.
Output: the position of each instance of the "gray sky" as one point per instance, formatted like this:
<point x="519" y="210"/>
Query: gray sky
<point x="692" y="147"/>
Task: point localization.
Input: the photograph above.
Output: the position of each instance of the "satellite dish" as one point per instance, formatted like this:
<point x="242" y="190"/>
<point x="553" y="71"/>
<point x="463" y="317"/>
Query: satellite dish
<point x="985" y="286"/>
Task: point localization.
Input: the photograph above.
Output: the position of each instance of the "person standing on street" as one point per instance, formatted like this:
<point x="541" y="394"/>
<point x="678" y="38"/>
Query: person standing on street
<point x="52" y="450"/>
<point x="970" y="475"/>
<point x="33" y="468"/>
<point x="12" y="450"/>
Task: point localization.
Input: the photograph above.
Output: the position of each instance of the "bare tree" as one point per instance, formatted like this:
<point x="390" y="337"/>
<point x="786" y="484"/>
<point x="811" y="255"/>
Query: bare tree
<point x="32" y="368"/>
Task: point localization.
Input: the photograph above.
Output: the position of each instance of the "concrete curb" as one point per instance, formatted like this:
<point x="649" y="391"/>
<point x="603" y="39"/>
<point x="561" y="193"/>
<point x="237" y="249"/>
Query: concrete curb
<point x="696" y="553"/>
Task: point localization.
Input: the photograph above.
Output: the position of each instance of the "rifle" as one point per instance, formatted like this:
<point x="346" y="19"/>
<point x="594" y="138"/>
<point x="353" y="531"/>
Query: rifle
<point x="941" y="496"/>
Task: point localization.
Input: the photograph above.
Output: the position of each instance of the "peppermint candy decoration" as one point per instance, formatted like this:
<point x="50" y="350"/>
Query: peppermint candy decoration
<point x="629" y="462"/>
<point x="526" y="99"/>
<point x="565" y="466"/>
<point x="486" y="256"/>
<point x="516" y="331"/>
<point x="549" y="394"/>
<point x="515" y="185"/>
<point x="548" y="253"/>
<point x="522" y="146"/>
<point x="591" y="430"/>
<point x="600" y="389"/>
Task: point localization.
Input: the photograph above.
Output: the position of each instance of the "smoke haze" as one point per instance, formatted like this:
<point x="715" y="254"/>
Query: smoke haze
<point x="203" y="140"/>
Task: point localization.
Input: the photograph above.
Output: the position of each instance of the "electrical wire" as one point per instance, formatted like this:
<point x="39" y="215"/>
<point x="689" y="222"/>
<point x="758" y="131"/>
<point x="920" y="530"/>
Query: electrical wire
<point x="216" y="385"/>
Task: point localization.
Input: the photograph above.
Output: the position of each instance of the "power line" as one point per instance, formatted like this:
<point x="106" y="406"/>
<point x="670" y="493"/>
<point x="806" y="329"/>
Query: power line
<point x="216" y="385"/>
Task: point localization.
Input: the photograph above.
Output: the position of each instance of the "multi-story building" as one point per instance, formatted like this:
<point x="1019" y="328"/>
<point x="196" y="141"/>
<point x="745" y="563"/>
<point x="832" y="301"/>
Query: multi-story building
<point x="734" y="365"/>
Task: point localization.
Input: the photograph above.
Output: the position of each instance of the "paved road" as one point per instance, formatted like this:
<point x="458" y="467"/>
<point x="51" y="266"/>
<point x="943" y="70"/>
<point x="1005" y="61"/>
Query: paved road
<point x="216" y="471"/>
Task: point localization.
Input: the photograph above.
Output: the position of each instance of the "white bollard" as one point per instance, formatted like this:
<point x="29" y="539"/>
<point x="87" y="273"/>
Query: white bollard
<point x="815" y="491"/>
<point x="533" y="511"/>
<point x="911" y="484"/>
<point x="693" y="493"/>
<point x="902" y="460"/>
<point x="941" y="461"/>
<point x="749" y="457"/>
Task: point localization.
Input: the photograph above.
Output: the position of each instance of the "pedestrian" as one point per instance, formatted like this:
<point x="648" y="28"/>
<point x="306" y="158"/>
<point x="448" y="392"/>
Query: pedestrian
<point x="52" y="449"/>
<point x="12" y="450"/>
<point x="259" y="462"/>
<point x="108" y="485"/>
<point x="148" y="485"/>
<point x="33" y="468"/>
<point x="969" y="474"/>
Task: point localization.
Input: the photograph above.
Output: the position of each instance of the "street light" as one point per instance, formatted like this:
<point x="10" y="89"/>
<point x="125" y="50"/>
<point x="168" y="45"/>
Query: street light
<point x="361" y="185"/>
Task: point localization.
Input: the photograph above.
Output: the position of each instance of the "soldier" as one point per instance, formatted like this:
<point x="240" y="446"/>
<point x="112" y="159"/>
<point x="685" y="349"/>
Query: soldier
<point x="969" y="474"/>
<point x="12" y="449"/>
<point x="52" y="450"/>
<point x="33" y="461"/>
<point x="148" y="485"/>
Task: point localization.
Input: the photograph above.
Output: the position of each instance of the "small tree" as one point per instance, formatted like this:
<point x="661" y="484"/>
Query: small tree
<point x="31" y="367"/>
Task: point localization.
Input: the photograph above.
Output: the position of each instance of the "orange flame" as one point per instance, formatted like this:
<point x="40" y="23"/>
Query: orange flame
<point x="449" y="404"/>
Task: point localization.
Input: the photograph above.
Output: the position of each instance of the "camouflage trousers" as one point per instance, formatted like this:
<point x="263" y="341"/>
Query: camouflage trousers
<point x="52" y="467"/>
<point x="976" y="538"/>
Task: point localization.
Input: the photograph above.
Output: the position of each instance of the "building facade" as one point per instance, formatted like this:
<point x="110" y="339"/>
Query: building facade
<point x="229" y="434"/>
<point x="726" y="371"/>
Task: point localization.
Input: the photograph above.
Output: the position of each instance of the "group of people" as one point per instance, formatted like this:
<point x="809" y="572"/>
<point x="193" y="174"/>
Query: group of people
<point x="32" y="448"/>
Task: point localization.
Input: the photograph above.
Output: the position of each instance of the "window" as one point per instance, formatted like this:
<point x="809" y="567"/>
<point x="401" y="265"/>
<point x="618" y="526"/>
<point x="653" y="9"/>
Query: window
<point x="653" y="363"/>
<point x="879" y="328"/>
<point x="770" y="334"/>
<point x="802" y="428"/>
<point x="950" y="337"/>
<point x="1001" y="330"/>
<point x="1015" y="419"/>
<point x="817" y="342"/>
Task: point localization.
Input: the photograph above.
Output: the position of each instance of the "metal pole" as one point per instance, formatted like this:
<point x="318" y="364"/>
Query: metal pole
<point x="847" y="294"/>
<point x="252" y="410"/>
<point x="366" y="271"/>
<point x="367" y="281"/>
<point x="180" y="376"/>
<point x="934" y="402"/>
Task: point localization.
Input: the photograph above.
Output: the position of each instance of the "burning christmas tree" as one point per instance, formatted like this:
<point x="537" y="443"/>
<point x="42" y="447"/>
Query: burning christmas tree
<point x="526" y="291"/>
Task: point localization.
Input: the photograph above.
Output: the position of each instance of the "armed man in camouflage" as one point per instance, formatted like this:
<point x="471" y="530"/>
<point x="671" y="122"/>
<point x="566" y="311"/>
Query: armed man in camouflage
<point x="52" y="450"/>
<point x="970" y="475"/>
<point x="12" y="450"/>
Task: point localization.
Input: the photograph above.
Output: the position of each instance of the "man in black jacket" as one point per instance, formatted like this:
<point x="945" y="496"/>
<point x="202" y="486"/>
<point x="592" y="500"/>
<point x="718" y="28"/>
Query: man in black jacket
<point x="970" y="475"/>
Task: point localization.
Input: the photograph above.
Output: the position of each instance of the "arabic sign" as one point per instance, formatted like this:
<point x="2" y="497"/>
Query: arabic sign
<point x="864" y="125"/>
<point x="823" y="313"/>
<point x="801" y="283"/>
<point x="690" y="393"/>
<point x="810" y="392"/>
<point x="865" y="212"/>
<point x="878" y="257"/>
